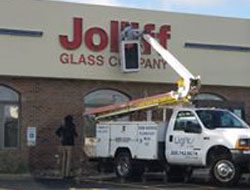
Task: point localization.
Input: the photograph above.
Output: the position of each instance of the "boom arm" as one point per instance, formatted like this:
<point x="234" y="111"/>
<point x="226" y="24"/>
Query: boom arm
<point x="191" y="83"/>
<point x="186" y="88"/>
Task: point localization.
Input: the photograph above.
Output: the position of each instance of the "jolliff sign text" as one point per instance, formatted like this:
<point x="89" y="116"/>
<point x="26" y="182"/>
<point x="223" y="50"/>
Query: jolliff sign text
<point x="108" y="40"/>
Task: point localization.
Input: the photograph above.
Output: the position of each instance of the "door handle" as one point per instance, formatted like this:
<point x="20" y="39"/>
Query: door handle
<point x="171" y="138"/>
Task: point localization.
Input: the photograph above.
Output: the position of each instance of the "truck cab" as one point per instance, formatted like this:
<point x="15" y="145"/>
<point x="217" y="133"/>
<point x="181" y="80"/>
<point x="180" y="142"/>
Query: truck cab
<point x="193" y="132"/>
<point x="214" y="138"/>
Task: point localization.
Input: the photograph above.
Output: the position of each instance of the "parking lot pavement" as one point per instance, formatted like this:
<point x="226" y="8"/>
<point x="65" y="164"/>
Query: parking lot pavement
<point x="157" y="183"/>
<point x="104" y="185"/>
<point x="110" y="182"/>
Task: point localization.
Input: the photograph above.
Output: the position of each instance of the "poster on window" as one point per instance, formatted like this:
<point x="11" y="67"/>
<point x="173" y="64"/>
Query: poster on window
<point x="31" y="136"/>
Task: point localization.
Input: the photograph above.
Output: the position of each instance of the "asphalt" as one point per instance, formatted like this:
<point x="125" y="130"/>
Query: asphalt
<point x="110" y="182"/>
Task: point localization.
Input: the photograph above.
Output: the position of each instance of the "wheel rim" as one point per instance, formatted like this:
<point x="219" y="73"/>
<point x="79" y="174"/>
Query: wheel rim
<point x="224" y="170"/>
<point x="123" y="166"/>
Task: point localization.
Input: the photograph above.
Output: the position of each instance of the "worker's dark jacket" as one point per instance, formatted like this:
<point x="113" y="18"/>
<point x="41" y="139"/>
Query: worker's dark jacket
<point x="67" y="133"/>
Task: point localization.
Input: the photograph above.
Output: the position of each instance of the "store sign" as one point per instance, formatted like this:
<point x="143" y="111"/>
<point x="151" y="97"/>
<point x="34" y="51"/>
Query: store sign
<point x="82" y="42"/>
<point x="111" y="41"/>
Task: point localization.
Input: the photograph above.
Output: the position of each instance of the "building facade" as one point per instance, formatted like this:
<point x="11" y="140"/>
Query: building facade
<point x="62" y="58"/>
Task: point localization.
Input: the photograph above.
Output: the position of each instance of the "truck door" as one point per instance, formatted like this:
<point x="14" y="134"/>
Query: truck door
<point x="184" y="140"/>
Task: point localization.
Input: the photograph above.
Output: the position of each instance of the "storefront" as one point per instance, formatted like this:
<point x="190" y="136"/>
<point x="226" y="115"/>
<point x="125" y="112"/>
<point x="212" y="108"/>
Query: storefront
<point x="60" y="58"/>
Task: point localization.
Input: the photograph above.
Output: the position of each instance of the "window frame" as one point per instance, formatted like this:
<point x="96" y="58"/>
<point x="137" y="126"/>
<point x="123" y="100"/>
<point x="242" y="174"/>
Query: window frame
<point x="210" y="96"/>
<point x="108" y="89"/>
<point x="17" y="103"/>
<point x="192" y="114"/>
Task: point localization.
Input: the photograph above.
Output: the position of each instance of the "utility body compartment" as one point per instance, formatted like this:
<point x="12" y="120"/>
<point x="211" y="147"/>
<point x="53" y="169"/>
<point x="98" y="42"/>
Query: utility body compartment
<point x="141" y="138"/>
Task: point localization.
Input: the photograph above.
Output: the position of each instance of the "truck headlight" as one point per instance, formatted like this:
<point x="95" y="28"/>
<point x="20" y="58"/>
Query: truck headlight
<point x="243" y="144"/>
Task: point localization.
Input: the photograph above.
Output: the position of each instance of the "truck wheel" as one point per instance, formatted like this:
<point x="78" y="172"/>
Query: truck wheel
<point x="224" y="171"/>
<point x="123" y="165"/>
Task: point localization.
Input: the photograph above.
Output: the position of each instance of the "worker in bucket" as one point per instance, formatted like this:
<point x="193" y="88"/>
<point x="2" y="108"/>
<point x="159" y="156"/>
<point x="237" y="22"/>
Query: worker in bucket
<point x="130" y="33"/>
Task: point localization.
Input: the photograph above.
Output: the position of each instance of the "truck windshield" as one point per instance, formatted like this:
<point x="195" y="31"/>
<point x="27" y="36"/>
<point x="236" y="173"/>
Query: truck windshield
<point x="219" y="119"/>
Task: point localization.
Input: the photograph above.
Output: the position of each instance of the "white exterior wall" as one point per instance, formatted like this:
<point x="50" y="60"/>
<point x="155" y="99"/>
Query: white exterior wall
<point x="40" y="56"/>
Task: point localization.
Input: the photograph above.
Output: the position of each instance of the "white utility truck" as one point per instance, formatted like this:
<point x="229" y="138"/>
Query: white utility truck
<point x="180" y="139"/>
<point x="192" y="138"/>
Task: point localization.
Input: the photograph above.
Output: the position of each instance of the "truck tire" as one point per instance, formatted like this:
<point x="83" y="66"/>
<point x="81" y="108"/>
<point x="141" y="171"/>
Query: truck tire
<point x="223" y="171"/>
<point x="123" y="165"/>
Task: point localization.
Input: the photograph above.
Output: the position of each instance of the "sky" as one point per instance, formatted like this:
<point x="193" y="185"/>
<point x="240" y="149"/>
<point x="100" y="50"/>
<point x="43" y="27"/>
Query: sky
<point x="226" y="8"/>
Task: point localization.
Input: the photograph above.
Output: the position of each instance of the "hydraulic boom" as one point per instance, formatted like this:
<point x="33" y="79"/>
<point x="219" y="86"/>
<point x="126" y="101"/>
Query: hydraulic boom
<point x="188" y="86"/>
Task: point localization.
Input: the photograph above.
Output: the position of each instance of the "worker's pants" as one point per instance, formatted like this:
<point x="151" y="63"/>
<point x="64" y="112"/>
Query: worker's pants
<point x="66" y="160"/>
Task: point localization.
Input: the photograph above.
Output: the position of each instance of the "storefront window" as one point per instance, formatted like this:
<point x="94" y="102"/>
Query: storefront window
<point x="104" y="97"/>
<point x="100" y="98"/>
<point x="218" y="101"/>
<point x="208" y="96"/>
<point x="9" y="117"/>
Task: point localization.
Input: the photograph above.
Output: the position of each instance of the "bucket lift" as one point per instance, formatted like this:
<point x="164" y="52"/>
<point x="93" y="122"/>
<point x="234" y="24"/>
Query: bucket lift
<point x="188" y="85"/>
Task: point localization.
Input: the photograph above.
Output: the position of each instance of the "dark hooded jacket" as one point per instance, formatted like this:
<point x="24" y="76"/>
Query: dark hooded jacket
<point x="67" y="132"/>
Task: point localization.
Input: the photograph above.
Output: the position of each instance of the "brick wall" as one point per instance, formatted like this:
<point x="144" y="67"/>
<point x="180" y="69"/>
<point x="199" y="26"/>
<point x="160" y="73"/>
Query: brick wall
<point x="45" y="102"/>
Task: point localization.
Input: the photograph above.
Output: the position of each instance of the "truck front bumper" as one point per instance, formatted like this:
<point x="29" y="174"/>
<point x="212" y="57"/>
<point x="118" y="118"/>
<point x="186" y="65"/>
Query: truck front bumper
<point x="241" y="157"/>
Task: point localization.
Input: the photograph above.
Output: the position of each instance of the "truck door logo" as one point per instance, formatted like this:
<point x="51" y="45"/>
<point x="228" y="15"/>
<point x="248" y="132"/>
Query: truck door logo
<point x="182" y="141"/>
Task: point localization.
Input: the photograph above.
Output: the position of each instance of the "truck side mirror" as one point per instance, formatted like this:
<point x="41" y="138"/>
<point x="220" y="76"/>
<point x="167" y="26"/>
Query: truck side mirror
<point x="192" y="127"/>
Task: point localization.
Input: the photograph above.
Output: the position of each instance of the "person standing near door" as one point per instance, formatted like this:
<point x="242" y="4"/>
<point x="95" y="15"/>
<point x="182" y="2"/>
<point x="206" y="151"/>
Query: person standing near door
<point x="67" y="133"/>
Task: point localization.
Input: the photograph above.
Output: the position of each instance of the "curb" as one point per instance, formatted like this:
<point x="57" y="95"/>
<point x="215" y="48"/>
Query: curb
<point x="97" y="177"/>
<point x="16" y="177"/>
